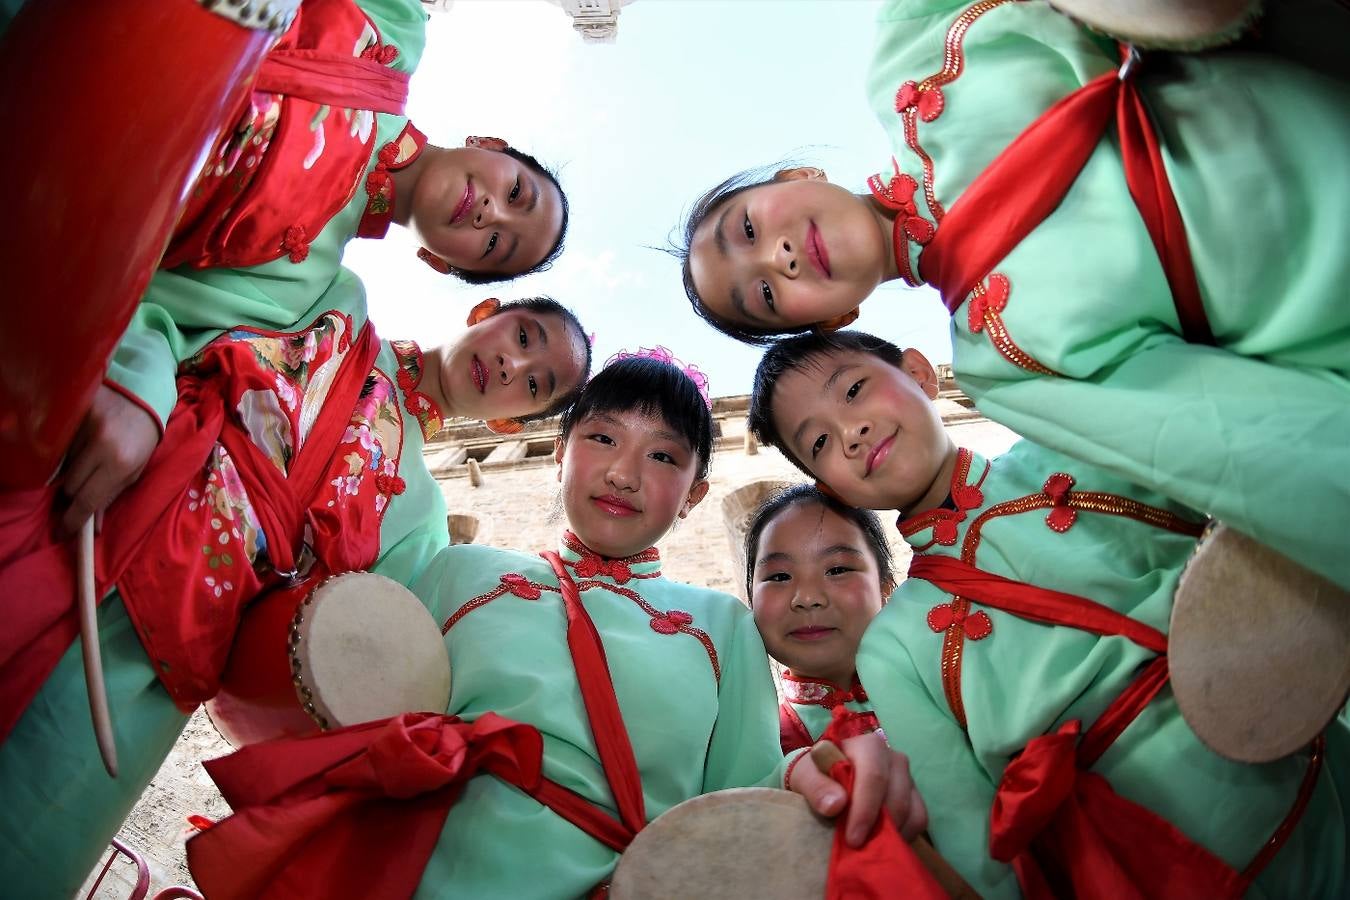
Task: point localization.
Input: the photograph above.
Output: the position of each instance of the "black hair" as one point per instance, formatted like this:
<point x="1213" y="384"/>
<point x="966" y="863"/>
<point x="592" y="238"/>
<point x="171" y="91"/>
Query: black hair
<point x="797" y="354"/>
<point x="800" y="495"/>
<point x="554" y="252"/>
<point x="571" y="325"/>
<point x="653" y="388"/>
<point x="704" y="207"/>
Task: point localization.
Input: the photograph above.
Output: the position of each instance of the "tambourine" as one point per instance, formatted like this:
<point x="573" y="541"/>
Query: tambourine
<point x="1258" y="649"/>
<point x="1165" y="24"/>
<point x="359" y="647"/>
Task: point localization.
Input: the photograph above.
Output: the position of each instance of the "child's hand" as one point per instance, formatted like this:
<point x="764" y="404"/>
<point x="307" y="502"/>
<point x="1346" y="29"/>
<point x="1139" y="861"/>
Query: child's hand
<point x="881" y="776"/>
<point x="108" y="453"/>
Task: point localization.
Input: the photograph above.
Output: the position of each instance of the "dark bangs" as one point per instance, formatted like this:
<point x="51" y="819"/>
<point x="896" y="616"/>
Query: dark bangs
<point x="801" y="494"/>
<point x="652" y="388"/>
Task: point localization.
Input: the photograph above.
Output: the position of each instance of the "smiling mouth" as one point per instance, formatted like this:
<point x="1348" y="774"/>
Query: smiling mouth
<point x="478" y="372"/>
<point x="615" y="506"/>
<point x="464" y="203"/>
<point x="816" y="252"/>
<point x="878" y="455"/>
<point x="811" y="633"/>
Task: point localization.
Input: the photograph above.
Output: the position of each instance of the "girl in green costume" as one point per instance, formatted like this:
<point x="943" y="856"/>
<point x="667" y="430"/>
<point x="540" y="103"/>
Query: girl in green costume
<point x="1073" y="338"/>
<point x="817" y="572"/>
<point x="983" y="669"/>
<point x="681" y="668"/>
<point x="521" y="359"/>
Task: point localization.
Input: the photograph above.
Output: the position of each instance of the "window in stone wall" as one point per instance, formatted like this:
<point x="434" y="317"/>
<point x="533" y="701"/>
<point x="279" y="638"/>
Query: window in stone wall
<point x="479" y="453"/>
<point x="539" y="449"/>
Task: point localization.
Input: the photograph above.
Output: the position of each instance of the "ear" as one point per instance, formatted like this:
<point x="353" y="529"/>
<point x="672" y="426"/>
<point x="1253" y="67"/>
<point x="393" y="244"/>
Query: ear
<point x="800" y="173"/>
<point x="696" y="495"/>
<point x="485" y="310"/>
<point x="916" y="366"/>
<point x="486" y="143"/>
<point x="504" y="426"/>
<point x="838" y="322"/>
<point x="558" y="447"/>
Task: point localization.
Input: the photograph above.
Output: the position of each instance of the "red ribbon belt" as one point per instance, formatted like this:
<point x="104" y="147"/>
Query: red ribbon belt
<point x="1027" y="181"/>
<point x="1062" y="827"/>
<point x="343" y="82"/>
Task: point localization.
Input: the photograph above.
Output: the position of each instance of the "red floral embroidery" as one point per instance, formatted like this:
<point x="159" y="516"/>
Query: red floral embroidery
<point x="425" y="410"/>
<point x="992" y="299"/>
<point x="296" y="244"/>
<point x="927" y="100"/>
<point x="521" y="586"/>
<point x="671" y="621"/>
<point x="1062" y="516"/>
<point x="382" y="55"/>
<point x="390" y="484"/>
<point x="977" y="626"/>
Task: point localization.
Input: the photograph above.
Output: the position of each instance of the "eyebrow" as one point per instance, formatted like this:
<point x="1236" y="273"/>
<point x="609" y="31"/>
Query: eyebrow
<point x="841" y="548"/>
<point x="777" y="556"/>
<point x="534" y="195"/>
<point x="719" y="238"/>
<point x="510" y="253"/>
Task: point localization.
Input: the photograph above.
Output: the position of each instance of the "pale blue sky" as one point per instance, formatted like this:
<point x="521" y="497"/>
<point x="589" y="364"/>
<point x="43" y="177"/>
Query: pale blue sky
<point x="692" y="91"/>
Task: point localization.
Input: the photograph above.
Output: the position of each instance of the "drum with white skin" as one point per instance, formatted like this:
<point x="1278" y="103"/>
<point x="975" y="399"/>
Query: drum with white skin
<point x="359" y="647"/>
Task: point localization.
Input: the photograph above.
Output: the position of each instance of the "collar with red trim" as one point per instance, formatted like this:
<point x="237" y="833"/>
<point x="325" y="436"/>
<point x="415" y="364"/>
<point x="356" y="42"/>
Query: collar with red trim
<point x="586" y="563"/>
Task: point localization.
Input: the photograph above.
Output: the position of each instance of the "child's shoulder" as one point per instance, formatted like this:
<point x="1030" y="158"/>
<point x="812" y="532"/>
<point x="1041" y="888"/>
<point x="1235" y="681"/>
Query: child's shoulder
<point x="704" y="604"/>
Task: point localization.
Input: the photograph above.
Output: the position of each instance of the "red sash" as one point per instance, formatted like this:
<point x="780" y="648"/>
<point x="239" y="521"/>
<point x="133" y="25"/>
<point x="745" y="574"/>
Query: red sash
<point x="1027" y="181"/>
<point x="332" y="79"/>
<point x="385" y="788"/>
<point x="1062" y="828"/>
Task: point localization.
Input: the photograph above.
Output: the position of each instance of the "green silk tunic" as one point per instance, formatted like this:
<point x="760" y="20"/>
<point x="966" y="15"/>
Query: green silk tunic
<point x="695" y="695"/>
<point x="61" y="808"/>
<point x="1084" y="355"/>
<point x="1023" y="679"/>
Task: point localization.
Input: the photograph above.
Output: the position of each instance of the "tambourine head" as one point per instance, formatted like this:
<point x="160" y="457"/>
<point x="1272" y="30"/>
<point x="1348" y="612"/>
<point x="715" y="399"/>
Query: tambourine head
<point x="1257" y="649"/>
<point x="729" y="845"/>
<point x="1165" y="24"/>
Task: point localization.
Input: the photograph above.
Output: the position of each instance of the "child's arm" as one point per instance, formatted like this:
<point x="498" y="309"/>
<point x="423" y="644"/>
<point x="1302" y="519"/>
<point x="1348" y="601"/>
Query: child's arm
<point x="957" y="790"/>
<point x="1259" y="446"/>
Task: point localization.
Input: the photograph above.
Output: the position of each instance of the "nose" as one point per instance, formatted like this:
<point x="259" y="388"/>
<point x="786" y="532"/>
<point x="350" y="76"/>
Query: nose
<point x="507" y="367"/>
<point x="783" y="259"/>
<point x="622" y="474"/>
<point x="808" y="596"/>
<point x="856" y="438"/>
<point x="485" y="212"/>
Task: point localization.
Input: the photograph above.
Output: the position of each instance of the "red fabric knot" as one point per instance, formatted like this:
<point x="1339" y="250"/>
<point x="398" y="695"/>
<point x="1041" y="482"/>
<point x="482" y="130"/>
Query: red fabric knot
<point x="671" y="621"/>
<point x="845" y="723"/>
<point x="389" y="154"/>
<point x="406" y="379"/>
<point x="977" y="625"/>
<point x="898" y="196"/>
<point x="927" y="101"/>
<point x="296" y="243"/>
<point x="993" y="299"/>
<point x="390" y="484"/>
<point x="1033" y="788"/>
<point x="1062" y="516"/>
<point x="521" y="586"/>
<point x="590" y="565"/>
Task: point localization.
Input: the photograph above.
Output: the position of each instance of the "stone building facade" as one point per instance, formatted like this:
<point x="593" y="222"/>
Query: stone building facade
<point x="504" y="491"/>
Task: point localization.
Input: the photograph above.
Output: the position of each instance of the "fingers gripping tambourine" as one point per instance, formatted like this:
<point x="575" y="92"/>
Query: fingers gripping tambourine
<point x="1258" y="649"/>
<point x="359" y="647"/>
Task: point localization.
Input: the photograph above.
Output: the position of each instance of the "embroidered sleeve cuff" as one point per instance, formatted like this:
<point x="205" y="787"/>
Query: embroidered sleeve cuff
<point x="790" y="761"/>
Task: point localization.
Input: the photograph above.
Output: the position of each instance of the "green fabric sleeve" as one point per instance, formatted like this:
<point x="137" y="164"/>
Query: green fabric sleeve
<point x="744" y="749"/>
<point x="143" y="363"/>
<point x="1258" y="446"/>
<point x="956" y="790"/>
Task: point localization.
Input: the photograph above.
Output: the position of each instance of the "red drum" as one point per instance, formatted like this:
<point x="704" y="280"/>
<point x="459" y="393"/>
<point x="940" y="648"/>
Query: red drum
<point x="359" y="647"/>
<point x="112" y="107"/>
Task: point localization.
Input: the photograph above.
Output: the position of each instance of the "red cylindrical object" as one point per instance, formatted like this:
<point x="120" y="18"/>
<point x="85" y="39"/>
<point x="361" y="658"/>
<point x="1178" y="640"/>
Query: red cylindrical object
<point x="115" y="107"/>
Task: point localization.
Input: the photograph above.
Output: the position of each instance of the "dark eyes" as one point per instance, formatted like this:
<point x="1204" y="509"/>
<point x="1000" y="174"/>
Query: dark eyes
<point x="515" y="191"/>
<point x="600" y="438"/>
<point x="523" y="338"/>
<point x="749" y="229"/>
<point x="492" y="244"/>
<point x="853" y="391"/>
<point x="818" y="446"/>
<point x="534" y="387"/>
<point x="663" y="456"/>
<point x="777" y="576"/>
<point x="838" y="570"/>
<point x="767" y="293"/>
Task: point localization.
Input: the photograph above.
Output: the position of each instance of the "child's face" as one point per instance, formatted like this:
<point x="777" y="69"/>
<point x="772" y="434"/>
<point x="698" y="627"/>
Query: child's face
<point x="794" y="252"/>
<point x="483" y="211"/>
<point x="511" y="364"/>
<point x="816" y="588"/>
<point x="864" y="427"/>
<point x="625" y="479"/>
